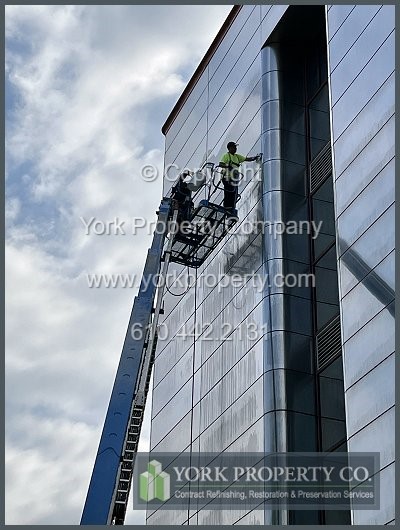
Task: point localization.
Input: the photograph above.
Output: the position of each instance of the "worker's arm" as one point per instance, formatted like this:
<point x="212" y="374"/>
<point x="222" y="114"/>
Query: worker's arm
<point x="252" y="158"/>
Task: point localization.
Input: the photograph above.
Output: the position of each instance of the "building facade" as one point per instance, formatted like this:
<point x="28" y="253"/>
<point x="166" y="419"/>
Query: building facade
<point x="261" y="366"/>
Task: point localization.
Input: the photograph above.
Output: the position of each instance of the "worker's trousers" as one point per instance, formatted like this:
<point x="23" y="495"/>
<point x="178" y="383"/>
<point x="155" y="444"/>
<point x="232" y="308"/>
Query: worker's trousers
<point x="230" y="193"/>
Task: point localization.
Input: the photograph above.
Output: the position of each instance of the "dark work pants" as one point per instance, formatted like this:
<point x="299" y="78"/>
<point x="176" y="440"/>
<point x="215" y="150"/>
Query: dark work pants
<point x="230" y="194"/>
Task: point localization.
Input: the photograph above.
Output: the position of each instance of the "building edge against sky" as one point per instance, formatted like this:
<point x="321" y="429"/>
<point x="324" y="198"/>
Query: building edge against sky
<point x="312" y="87"/>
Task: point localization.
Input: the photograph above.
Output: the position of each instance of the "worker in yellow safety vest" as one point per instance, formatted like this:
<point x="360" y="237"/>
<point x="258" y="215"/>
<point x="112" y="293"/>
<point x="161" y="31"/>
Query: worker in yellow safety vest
<point x="230" y="178"/>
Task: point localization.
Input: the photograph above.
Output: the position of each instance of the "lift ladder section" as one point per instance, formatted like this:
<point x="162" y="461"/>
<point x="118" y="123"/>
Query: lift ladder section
<point x="110" y="483"/>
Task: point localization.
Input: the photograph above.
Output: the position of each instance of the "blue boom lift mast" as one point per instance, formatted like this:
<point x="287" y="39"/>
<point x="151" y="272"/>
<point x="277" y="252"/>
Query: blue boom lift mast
<point x="108" y="492"/>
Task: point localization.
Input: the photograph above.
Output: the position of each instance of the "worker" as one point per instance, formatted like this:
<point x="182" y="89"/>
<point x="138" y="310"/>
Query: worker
<point x="183" y="197"/>
<point x="231" y="162"/>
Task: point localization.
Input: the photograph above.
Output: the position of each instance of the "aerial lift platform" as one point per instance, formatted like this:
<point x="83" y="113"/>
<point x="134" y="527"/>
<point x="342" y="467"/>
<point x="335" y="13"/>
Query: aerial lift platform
<point x="108" y="492"/>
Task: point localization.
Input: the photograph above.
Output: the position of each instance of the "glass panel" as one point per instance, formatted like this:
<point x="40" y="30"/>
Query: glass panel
<point x="270" y="85"/>
<point x="301" y="430"/>
<point x="299" y="393"/>
<point x="329" y="260"/>
<point x="297" y="314"/>
<point x="325" y="313"/>
<point x="284" y="175"/>
<point x="319" y="121"/>
<point x="332" y="391"/>
<point x="176" y="347"/>
<point x="332" y="432"/>
<point x="324" y="218"/>
<point x="326" y="285"/>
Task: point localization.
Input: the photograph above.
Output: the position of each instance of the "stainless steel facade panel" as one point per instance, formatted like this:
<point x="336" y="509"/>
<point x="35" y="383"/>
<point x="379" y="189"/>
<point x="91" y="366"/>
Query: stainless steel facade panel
<point x="361" y="57"/>
<point x="177" y="440"/>
<point x="365" y="172"/>
<point x="352" y="28"/>
<point x="370" y="438"/>
<point x="369" y="42"/>
<point x="176" y="348"/>
<point x="220" y="389"/>
<point x="232" y="120"/>
<point x="270" y="15"/>
<point x="173" y="381"/>
<point x="284" y="349"/>
<point x="365" y="350"/>
<point x="223" y="359"/>
<point x="184" y="114"/>
<point x="337" y="16"/>
<point x="192" y="156"/>
<point x="373" y="294"/>
<point x="365" y="127"/>
<point x="195" y="126"/>
<point x="232" y="384"/>
<point x="238" y="58"/>
<point x="234" y="421"/>
<point x="360" y="89"/>
<point x="222" y="55"/>
<point x="255" y="517"/>
<point x="240" y="82"/>
<point x="172" y="413"/>
<point x="168" y="517"/>
<point x="374" y="199"/>
<point x="386" y="513"/>
<point x="362" y="257"/>
<point x="363" y="405"/>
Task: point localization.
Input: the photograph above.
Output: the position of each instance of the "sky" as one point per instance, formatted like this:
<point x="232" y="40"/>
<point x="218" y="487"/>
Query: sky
<point x="87" y="91"/>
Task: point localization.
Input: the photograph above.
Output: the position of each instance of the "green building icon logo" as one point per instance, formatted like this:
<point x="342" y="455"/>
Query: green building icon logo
<point x="154" y="483"/>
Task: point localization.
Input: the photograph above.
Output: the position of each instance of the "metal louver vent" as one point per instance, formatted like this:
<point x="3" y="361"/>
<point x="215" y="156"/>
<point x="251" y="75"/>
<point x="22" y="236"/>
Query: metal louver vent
<point x="329" y="344"/>
<point x="320" y="167"/>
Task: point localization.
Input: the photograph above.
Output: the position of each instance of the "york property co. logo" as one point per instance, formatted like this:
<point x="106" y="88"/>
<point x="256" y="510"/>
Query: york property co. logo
<point x="154" y="483"/>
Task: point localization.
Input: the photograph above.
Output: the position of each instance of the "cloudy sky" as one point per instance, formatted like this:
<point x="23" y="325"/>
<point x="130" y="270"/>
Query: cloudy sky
<point x="87" y="91"/>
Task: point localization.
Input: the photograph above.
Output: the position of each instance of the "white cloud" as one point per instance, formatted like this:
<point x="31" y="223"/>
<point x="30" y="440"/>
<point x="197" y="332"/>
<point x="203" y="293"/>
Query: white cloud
<point x="13" y="207"/>
<point x="86" y="80"/>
